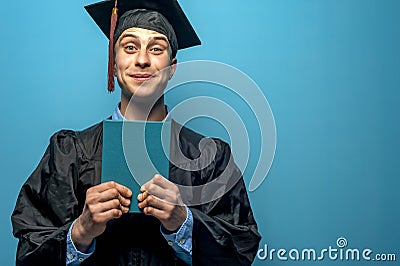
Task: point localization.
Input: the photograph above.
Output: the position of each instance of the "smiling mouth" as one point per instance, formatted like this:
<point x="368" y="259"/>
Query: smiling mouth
<point x="142" y="77"/>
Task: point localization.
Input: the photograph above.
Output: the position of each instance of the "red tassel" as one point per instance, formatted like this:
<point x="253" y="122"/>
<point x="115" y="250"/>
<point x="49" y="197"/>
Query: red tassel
<point x="113" y="24"/>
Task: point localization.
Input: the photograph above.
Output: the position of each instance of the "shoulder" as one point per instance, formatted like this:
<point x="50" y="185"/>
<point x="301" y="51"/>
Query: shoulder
<point x="194" y="145"/>
<point x="87" y="141"/>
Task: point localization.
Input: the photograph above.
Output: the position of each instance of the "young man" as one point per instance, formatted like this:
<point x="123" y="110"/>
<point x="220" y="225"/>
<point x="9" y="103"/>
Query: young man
<point x="65" y="215"/>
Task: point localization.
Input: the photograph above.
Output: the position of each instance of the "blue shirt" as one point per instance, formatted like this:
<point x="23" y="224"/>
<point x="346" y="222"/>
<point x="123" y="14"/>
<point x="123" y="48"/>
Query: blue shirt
<point x="181" y="241"/>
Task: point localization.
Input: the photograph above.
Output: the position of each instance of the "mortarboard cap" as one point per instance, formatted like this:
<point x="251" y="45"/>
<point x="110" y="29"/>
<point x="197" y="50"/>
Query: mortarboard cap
<point x="101" y="13"/>
<point x="170" y="9"/>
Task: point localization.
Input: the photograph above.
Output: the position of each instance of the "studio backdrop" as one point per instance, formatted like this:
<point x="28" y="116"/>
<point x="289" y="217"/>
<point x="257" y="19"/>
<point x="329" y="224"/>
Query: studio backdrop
<point x="306" y="92"/>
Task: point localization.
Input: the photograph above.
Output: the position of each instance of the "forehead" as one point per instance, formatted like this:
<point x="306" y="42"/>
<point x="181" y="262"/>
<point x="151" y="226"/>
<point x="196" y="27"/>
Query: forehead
<point x="143" y="34"/>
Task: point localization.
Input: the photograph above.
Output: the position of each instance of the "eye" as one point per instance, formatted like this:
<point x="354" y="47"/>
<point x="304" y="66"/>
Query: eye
<point x="157" y="50"/>
<point x="130" y="48"/>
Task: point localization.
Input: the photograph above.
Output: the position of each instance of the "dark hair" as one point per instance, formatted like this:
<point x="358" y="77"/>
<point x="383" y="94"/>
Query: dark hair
<point x="150" y="20"/>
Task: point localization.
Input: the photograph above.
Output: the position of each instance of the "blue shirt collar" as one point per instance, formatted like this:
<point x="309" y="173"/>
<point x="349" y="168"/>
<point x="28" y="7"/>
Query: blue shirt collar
<point x="117" y="114"/>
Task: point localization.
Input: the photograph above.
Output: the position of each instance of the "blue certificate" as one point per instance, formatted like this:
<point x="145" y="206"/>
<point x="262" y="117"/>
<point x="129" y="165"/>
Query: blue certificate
<point x="133" y="152"/>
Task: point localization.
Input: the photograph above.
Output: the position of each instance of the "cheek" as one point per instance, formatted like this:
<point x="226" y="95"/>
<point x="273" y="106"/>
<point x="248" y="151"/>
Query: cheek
<point x="161" y="61"/>
<point x="122" y="62"/>
<point x="163" y="67"/>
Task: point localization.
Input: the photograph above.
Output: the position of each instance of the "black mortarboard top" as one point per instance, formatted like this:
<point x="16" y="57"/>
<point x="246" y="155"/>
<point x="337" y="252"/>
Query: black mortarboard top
<point x="187" y="37"/>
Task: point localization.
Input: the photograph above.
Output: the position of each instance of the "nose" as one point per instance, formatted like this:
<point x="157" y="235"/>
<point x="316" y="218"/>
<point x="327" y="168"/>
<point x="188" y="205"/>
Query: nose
<point x="142" y="59"/>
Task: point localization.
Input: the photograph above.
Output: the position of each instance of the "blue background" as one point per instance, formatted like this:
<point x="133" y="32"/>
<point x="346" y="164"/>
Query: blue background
<point x="329" y="69"/>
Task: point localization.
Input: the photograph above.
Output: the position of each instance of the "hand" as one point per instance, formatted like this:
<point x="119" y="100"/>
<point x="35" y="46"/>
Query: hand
<point x="161" y="198"/>
<point x="103" y="202"/>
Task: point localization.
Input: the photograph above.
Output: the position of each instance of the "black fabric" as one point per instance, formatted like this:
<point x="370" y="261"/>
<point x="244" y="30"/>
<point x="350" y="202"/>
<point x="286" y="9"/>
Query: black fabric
<point x="150" y="20"/>
<point x="224" y="232"/>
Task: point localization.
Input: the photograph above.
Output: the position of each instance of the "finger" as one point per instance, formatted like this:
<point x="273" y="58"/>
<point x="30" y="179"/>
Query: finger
<point x="123" y="208"/>
<point x="155" y="189"/>
<point x="152" y="201"/>
<point x="126" y="192"/>
<point x="108" y="205"/>
<point x="160" y="181"/>
<point x="104" y="186"/>
<point x="124" y="201"/>
<point x="162" y="191"/>
<point x="142" y="196"/>
<point x="106" y="195"/>
<point x="170" y="194"/>
<point x="108" y="215"/>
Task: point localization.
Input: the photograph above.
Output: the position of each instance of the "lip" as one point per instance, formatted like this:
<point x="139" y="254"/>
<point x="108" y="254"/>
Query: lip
<point x="141" y="77"/>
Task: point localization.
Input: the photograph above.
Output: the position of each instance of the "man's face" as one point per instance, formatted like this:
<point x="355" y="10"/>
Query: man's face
<point x="142" y="63"/>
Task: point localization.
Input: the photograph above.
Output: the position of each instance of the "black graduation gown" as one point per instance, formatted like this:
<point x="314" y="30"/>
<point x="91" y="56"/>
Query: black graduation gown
<point x="224" y="230"/>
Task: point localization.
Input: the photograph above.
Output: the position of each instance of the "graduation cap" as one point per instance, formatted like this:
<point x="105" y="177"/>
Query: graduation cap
<point x="101" y="13"/>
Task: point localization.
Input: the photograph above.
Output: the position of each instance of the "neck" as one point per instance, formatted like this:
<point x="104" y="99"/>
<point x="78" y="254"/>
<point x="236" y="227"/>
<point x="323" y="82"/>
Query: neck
<point x="137" y="110"/>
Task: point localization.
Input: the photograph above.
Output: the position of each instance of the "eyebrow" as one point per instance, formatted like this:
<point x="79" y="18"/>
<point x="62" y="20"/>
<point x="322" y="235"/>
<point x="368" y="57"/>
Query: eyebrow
<point x="161" y="38"/>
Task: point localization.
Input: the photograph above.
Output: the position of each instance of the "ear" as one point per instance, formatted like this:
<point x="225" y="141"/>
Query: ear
<point x="115" y="68"/>
<point x="172" y="67"/>
<point x="115" y="61"/>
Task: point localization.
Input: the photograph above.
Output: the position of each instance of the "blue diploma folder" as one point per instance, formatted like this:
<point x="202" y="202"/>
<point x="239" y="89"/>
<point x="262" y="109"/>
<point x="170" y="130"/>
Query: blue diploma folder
<point x="133" y="152"/>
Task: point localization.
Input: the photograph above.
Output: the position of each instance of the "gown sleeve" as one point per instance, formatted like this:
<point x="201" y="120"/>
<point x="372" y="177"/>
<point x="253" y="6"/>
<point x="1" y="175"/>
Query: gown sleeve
<point x="225" y="231"/>
<point x="47" y="205"/>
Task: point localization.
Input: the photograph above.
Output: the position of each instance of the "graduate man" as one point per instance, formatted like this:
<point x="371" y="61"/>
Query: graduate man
<point x="65" y="215"/>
